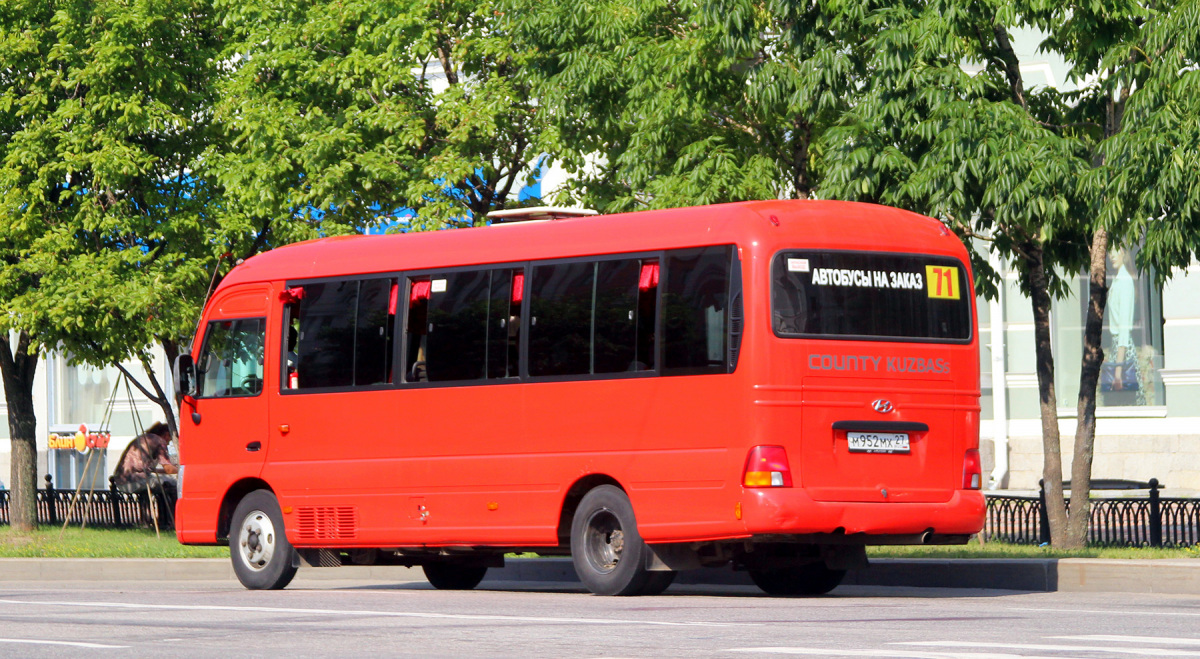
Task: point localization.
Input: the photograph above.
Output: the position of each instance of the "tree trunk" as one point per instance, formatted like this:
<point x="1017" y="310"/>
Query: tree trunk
<point x="1089" y="378"/>
<point x="17" y="368"/>
<point x="157" y="396"/>
<point x="171" y="348"/>
<point x="1036" y="282"/>
<point x="801" y="136"/>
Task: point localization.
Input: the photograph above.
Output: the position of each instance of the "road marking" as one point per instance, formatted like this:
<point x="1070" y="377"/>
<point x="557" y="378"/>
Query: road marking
<point x="1110" y="612"/>
<point x="74" y="644"/>
<point x="897" y="654"/>
<point x="388" y="614"/>
<point x="1131" y="639"/>
<point x="1149" y="652"/>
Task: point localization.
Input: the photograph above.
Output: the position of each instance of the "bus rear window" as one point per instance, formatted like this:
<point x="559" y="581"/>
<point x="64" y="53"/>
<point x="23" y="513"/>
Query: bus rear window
<point x="870" y="296"/>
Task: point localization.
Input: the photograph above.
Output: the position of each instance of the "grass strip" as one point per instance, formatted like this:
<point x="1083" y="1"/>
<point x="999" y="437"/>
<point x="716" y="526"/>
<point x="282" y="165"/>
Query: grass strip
<point x="53" y="542"/>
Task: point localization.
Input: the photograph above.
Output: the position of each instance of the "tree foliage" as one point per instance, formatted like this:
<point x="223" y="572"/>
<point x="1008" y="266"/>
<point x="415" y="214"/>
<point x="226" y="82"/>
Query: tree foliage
<point x="947" y="126"/>
<point x="102" y="115"/>
<point x="660" y="103"/>
<point x="1154" y="181"/>
<point x="346" y="113"/>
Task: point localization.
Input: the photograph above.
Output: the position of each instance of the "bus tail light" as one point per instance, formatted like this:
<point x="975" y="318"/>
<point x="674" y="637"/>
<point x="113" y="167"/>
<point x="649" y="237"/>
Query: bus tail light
<point x="767" y="466"/>
<point x="972" y="470"/>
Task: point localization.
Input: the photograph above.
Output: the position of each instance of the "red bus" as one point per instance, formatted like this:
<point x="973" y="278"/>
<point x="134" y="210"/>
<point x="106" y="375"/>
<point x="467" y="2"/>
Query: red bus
<point x="771" y="384"/>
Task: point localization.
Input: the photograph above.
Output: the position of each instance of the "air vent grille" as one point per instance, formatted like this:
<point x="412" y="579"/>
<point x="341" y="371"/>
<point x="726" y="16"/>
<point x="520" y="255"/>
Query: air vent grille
<point x="327" y="522"/>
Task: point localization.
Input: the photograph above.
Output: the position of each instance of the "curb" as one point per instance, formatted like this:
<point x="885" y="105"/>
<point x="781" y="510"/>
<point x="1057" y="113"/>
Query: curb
<point x="1173" y="576"/>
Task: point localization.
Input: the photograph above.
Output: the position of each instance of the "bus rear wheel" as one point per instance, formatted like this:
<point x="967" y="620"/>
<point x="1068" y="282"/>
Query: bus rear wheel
<point x="608" y="553"/>
<point x="258" y="546"/>
<point x="809" y="579"/>
<point x="451" y="576"/>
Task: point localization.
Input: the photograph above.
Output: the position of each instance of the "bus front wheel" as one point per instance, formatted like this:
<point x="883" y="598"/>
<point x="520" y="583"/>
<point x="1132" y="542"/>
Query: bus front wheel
<point x="608" y="553"/>
<point x="809" y="579"/>
<point x="258" y="546"/>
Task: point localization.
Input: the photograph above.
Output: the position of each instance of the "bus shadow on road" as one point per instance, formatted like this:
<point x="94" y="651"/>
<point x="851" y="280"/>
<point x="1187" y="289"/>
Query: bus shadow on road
<point x="717" y="590"/>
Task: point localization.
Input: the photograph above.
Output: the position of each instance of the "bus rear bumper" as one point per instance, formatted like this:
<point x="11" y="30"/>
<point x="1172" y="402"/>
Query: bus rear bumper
<point x="794" y="512"/>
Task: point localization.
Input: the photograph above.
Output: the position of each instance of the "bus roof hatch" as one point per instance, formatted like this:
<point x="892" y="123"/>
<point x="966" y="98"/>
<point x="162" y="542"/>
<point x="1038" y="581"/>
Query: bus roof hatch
<point x="539" y="213"/>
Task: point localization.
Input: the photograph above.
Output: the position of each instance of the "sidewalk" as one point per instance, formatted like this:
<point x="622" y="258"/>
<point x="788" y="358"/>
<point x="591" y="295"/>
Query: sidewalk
<point x="1176" y="576"/>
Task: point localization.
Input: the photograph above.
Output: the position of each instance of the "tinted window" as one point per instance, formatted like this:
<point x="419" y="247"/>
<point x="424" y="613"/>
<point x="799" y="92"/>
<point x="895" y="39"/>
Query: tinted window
<point x="457" y="327"/>
<point x="231" y="363"/>
<point x="343" y="334"/>
<point x="616" y="321"/>
<point x="504" y="323"/>
<point x="464" y="326"/>
<point x="696" y="301"/>
<point x="560" y="334"/>
<point x="374" y="326"/>
<point x="853" y="294"/>
<point x="592" y="318"/>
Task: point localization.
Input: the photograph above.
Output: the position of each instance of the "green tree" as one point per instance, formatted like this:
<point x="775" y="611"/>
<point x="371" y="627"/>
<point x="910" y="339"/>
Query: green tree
<point x="357" y="111"/>
<point x="948" y="127"/>
<point x="660" y="103"/>
<point x="104" y="110"/>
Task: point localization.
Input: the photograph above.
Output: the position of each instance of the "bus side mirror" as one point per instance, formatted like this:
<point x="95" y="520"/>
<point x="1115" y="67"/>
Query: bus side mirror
<point x="184" y="373"/>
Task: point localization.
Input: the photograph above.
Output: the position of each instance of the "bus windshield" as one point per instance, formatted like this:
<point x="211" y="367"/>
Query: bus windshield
<point x="860" y="295"/>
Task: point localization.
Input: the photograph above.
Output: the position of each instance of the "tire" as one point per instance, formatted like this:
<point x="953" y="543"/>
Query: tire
<point x="608" y="552"/>
<point x="258" y="546"/>
<point x="810" y="579"/>
<point x="451" y="576"/>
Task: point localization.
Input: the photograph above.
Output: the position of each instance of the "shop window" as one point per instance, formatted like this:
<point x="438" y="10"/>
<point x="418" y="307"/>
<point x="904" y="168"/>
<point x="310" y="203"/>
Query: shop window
<point x="1132" y="338"/>
<point x="74" y="470"/>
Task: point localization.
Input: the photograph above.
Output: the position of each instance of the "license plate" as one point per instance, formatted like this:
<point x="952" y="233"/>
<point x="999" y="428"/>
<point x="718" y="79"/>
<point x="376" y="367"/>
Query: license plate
<point x="878" y="442"/>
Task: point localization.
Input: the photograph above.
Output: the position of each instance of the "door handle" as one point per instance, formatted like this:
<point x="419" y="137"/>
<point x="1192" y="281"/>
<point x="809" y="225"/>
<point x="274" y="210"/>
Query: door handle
<point x="253" y="446"/>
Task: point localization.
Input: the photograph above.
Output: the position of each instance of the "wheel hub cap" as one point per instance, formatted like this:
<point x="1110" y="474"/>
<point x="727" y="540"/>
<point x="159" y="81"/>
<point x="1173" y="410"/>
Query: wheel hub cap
<point x="256" y="540"/>
<point x="605" y="541"/>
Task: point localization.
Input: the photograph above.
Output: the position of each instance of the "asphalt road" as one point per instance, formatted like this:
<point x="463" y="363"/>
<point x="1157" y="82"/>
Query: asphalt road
<point x="322" y="618"/>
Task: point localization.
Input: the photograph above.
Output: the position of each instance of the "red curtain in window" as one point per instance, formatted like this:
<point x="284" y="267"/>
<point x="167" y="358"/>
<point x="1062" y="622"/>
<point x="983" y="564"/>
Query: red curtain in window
<point x="649" y="278"/>
<point x="420" y="291"/>
<point x="518" y="287"/>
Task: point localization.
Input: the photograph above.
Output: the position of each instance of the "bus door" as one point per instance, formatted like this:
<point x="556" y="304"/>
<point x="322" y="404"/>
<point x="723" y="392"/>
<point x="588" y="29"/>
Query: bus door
<point x="333" y="424"/>
<point x="226" y="427"/>
<point x="887" y="363"/>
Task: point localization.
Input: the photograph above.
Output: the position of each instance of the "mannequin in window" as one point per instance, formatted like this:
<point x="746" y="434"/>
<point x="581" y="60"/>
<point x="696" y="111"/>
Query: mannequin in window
<point x="1120" y="309"/>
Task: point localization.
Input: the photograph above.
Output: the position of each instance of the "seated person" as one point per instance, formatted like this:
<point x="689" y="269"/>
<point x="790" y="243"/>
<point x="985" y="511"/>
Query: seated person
<point x="145" y="468"/>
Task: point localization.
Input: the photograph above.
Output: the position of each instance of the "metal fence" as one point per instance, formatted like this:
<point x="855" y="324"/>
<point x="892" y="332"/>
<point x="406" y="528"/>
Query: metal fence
<point x="106" y="509"/>
<point x="1152" y="521"/>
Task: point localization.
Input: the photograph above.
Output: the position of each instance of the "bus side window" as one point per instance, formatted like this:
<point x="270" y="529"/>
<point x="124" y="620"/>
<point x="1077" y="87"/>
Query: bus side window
<point x="504" y="324"/>
<point x="418" y="328"/>
<point x="593" y="318"/>
<point x="616" y="319"/>
<point x="464" y="326"/>
<point x="342" y="333"/>
<point x="561" y="319"/>
<point x="373" y="333"/>
<point x="696" y="310"/>
<point x="231" y="362"/>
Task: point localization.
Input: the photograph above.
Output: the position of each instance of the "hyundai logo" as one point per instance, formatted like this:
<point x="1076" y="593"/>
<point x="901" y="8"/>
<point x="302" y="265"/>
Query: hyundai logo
<point x="882" y="405"/>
